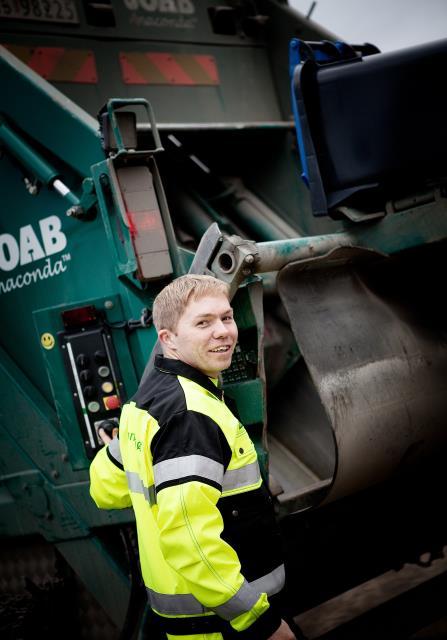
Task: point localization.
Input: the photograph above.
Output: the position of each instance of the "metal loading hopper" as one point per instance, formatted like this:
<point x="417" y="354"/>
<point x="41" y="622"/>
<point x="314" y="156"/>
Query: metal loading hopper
<point x="374" y="400"/>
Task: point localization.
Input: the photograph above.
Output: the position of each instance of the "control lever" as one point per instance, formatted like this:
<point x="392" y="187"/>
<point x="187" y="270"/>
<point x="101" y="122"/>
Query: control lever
<point x="110" y="427"/>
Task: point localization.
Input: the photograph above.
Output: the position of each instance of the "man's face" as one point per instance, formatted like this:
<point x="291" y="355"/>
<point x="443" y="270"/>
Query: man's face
<point x="205" y="336"/>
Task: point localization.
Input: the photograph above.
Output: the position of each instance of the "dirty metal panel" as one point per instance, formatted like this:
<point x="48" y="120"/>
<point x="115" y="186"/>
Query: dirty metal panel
<point x="374" y="339"/>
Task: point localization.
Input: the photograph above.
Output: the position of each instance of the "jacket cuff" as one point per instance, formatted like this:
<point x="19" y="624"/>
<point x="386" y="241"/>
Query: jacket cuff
<point x="263" y="627"/>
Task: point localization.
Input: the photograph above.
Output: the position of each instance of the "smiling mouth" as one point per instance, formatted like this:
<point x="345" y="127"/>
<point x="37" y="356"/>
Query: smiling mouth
<point x="222" y="349"/>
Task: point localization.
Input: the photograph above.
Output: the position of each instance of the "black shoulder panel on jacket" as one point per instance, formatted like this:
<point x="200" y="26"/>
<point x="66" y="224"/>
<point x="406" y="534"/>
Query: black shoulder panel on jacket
<point x="190" y="433"/>
<point x="161" y="395"/>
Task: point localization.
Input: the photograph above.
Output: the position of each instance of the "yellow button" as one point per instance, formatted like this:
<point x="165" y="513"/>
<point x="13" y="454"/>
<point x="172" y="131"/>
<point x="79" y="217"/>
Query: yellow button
<point x="107" y="387"/>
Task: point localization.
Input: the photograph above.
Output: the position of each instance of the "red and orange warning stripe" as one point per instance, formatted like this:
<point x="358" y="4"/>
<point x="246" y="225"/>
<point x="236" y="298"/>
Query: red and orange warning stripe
<point x="168" y="68"/>
<point x="58" y="64"/>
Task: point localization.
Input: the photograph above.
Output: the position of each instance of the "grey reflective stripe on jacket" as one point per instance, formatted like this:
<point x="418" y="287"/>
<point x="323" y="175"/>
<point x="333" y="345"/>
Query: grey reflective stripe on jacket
<point x="240" y="478"/>
<point x="174" y="605"/>
<point x="242" y="601"/>
<point x="115" y="451"/>
<point x="185" y="466"/>
<point x="136" y="485"/>
<point x="272" y="582"/>
<point x="195" y="465"/>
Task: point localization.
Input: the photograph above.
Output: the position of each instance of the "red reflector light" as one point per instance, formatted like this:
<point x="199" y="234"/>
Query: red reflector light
<point x="143" y="221"/>
<point x="79" y="317"/>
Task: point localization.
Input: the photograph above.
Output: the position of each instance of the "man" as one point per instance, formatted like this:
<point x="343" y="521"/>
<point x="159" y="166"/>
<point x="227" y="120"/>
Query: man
<point x="210" y="552"/>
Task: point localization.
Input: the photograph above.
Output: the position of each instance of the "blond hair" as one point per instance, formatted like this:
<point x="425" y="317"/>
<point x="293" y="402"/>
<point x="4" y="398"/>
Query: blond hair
<point x="171" y="302"/>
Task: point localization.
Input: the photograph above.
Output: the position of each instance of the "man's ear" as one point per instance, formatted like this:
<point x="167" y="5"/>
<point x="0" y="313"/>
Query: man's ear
<point x="166" y="338"/>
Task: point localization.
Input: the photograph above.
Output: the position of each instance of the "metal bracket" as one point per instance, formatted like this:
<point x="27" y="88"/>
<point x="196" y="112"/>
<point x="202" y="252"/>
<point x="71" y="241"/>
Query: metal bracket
<point x="208" y="246"/>
<point x="86" y="209"/>
<point x="235" y="261"/>
<point x="111" y="107"/>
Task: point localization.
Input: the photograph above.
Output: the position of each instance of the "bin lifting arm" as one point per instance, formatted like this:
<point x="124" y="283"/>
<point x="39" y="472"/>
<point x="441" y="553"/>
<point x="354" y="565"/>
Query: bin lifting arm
<point x="232" y="259"/>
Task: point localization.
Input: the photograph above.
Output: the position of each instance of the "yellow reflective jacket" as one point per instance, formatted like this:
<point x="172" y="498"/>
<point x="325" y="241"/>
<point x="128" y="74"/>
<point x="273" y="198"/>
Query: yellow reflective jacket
<point x="210" y="551"/>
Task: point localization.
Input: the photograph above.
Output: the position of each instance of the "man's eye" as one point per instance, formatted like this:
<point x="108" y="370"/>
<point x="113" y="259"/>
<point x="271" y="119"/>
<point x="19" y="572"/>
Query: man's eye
<point x="201" y="323"/>
<point x="227" y="318"/>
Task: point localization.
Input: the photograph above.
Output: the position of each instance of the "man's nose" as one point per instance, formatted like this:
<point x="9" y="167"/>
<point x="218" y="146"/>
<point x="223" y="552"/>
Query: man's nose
<point x="220" y="329"/>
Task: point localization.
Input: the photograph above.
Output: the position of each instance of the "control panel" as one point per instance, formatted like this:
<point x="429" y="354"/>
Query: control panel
<point x="93" y="371"/>
<point x="244" y="362"/>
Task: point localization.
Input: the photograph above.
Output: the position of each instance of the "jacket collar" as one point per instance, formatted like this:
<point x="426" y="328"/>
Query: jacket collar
<point x="180" y="368"/>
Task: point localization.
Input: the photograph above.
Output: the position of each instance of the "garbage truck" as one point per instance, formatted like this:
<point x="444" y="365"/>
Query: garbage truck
<point x="141" y="140"/>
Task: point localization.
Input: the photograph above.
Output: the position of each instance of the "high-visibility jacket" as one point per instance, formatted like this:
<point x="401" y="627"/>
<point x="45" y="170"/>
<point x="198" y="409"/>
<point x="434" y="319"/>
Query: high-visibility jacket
<point x="210" y="550"/>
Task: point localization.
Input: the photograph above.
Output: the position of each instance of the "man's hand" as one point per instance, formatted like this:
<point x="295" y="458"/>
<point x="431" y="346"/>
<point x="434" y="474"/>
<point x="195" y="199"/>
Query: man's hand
<point x="283" y="632"/>
<point x="104" y="435"/>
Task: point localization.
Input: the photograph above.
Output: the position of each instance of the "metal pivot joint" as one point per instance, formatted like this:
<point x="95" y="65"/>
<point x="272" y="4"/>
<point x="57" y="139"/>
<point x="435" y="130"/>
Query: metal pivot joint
<point x="236" y="260"/>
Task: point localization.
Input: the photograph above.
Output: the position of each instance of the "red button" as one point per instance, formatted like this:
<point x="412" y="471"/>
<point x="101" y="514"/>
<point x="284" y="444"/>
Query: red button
<point x="111" y="402"/>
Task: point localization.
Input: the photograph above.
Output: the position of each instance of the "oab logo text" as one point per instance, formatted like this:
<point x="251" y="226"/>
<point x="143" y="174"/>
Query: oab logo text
<point x="185" y="7"/>
<point x="30" y="245"/>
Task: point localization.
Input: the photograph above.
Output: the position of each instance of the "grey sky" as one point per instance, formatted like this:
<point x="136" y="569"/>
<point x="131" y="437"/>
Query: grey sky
<point x="389" y="24"/>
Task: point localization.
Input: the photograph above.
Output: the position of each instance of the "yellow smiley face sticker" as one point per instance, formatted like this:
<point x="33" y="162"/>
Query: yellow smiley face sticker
<point x="47" y="340"/>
